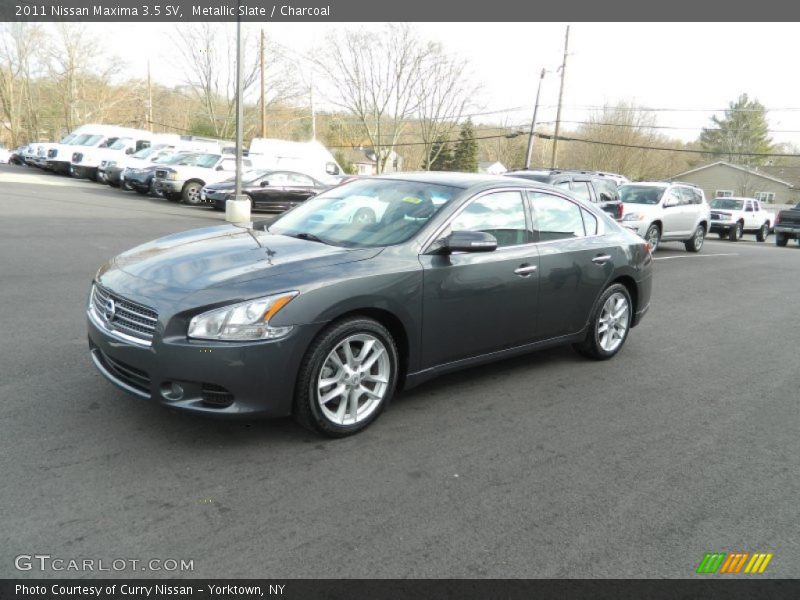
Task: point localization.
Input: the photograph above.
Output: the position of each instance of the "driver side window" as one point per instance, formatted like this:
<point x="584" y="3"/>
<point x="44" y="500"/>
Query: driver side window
<point x="501" y="214"/>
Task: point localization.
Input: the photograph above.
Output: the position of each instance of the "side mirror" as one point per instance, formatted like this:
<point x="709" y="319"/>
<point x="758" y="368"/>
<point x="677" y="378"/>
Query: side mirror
<point x="469" y="241"/>
<point x="670" y="202"/>
<point x="264" y="183"/>
<point x="331" y="169"/>
<point x="220" y="168"/>
<point x="129" y="151"/>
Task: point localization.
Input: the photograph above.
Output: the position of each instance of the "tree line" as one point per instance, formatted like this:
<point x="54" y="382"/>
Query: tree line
<point x="388" y="90"/>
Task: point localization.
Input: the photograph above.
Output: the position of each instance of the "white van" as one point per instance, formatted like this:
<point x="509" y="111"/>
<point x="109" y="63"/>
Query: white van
<point x="103" y="143"/>
<point x="311" y="158"/>
<point x="59" y="155"/>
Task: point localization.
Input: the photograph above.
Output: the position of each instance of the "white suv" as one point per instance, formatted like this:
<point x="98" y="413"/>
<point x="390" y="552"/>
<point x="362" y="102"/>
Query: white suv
<point x="666" y="212"/>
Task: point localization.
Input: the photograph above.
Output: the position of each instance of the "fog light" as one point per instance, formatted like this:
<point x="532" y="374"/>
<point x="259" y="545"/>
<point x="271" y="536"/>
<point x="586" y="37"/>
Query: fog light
<point x="172" y="391"/>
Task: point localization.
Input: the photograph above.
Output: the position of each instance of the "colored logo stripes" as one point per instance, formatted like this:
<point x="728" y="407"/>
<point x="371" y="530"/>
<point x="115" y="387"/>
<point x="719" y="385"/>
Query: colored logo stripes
<point x="734" y="562"/>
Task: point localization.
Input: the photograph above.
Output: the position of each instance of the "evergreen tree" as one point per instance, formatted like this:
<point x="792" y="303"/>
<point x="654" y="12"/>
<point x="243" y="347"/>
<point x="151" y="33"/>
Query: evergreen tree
<point x="744" y="128"/>
<point x="442" y="156"/>
<point x="465" y="156"/>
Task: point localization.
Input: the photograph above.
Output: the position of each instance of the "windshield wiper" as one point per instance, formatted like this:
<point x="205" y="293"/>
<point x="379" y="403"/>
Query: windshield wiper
<point x="304" y="235"/>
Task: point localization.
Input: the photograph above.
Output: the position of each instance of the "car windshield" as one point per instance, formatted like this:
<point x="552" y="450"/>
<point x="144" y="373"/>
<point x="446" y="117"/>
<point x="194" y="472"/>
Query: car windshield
<point x="78" y="139"/>
<point x="366" y="213"/>
<point x="727" y="203"/>
<point x="198" y="160"/>
<point x="90" y="140"/>
<point x="119" y="144"/>
<point x="145" y="152"/>
<point x="640" y="194"/>
<point x="67" y="139"/>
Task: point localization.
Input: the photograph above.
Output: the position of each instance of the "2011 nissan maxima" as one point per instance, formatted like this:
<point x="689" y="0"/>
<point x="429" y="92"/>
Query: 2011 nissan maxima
<point x="324" y="317"/>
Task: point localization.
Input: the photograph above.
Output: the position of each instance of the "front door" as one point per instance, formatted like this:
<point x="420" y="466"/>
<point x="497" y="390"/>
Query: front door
<point x="482" y="302"/>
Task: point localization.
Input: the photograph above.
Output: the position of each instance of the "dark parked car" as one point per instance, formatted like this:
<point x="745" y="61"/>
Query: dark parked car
<point x="589" y="186"/>
<point x="273" y="191"/>
<point x="787" y="226"/>
<point x="324" y="318"/>
<point x="142" y="179"/>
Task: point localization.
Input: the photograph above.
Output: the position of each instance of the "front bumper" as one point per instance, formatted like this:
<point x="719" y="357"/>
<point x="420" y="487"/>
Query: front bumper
<point x="168" y="186"/>
<point x="58" y="166"/>
<point x="83" y="171"/>
<point x="720" y="226"/>
<point x="638" y="227"/>
<point x="212" y="378"/>
<point x="113" y="175"/>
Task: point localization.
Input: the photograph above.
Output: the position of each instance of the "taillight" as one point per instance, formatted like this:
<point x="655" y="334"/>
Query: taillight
<point x="620" y="210"/>
<point x="648" y="246"/>
<point x="777" y="219"/>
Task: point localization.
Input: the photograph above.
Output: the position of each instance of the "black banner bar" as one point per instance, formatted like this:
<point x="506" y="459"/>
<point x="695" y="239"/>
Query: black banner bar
<point x="394" y="589"/>
<point x="400" y="11"/>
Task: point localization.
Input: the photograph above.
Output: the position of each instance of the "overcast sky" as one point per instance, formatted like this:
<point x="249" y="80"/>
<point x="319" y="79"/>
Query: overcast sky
<point x="662" y="65"/>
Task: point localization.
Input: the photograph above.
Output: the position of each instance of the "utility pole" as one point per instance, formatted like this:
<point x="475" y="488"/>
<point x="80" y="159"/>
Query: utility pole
<point x="554" y="157"/>
<point x="533" y="122"/>
<point x="149" y="99"/>
<point x="313" y="112"/>
<point x="239" y="109"/>
<point x="263" y="84"/>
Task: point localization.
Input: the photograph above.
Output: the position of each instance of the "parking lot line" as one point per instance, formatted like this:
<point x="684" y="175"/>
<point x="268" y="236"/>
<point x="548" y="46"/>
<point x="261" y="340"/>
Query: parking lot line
<point x="693" y="256"/>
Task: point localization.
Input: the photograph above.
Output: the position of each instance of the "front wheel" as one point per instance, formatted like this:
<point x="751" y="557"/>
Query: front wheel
<point x="610" y="324"/>
<point x="191" y="193"/>
<point x="763" y="233"/>
<point x="695" y="243"/>
<point x="736" y="233"/>
<point x="347" y="378"/>
<point x="653" y="236"/>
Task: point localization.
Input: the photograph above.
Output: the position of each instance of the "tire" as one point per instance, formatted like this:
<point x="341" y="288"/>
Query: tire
<point x="781" y="239"/>
<point x="763" y="233"/>
<point x="722" y="235"/>
<point x="653" y="236"/>
<point x="598" y="346"/>
<point x="191" y="193"/>
<point x="364" y="216"/>
<point x="326" y="360"/>
<point x="736" y="233"/>
<point x="141" y="191"/>
<point x="695" y="243"/>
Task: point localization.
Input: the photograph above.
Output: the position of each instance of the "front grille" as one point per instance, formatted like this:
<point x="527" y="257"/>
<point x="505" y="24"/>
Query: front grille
<point x="52" y="153"/>
<point x="136" y="378"/>
<point x="161" y="173"/>
<point x="216" y="395"/>
<point x="127" y="317"/>
<point x="77" y="157"/>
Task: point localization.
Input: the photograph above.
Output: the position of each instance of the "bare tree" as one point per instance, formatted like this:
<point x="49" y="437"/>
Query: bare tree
<point x="207" y="52"/>
<point x="19" y="65"/>
<point x="375" y="76"/>
<point x="443" y="94"/>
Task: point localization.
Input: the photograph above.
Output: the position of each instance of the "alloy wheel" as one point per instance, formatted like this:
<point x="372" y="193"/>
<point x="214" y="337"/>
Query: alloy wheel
<point x="613" y="322"/>
<point x="354" y="379"/>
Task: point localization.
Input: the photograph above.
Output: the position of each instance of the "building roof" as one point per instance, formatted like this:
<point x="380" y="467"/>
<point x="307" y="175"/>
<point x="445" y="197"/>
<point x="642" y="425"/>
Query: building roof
<point x="758" y="173"/>
<point x="786" y="173"/>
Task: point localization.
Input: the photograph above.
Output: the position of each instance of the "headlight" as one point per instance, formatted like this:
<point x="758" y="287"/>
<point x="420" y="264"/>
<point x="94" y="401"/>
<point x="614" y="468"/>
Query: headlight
<point x="241" y="322"/>
<point x="172" y="175"/>
<point x="111" y="163"/>
<point x="633" y="217"/>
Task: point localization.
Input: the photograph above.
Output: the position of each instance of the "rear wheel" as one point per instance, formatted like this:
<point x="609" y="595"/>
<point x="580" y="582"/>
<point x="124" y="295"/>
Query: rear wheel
<point x="191" y="193"/>
<point x="347" y="378"/>
<point x="781" y="239"/>
<point x="609" y="325"/>
<point x="696" y="242"/>
<point x="763" y="233"/>
<point x="736" y="232"/>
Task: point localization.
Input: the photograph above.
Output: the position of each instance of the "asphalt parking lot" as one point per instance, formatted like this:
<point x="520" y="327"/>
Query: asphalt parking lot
<point x="548" y="465"/>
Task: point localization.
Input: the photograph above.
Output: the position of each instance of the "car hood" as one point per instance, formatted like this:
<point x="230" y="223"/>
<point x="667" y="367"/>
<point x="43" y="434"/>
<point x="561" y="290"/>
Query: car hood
<point x="228" y="254"/>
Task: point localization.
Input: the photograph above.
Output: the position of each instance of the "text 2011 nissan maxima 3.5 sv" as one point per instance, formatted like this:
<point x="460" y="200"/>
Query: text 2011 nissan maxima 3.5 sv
<point x="323" y="316"/>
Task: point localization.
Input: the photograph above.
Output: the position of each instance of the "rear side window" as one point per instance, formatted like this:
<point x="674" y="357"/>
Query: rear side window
<point x="589" y="222"/>
<point x="581" y="190"/>
<point x="688" y="195"/>
<point x="606" y="190"/>
<point x="556" y="218"/>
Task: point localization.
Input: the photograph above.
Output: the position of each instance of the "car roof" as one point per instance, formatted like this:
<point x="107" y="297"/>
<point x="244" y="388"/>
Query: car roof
<point x="649" y="183"/>
<point x="449" y="178"/>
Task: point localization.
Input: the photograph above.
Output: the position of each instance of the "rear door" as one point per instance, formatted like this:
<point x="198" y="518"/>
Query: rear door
<point x="575" y="262"/>
<point x="475" y="303"/>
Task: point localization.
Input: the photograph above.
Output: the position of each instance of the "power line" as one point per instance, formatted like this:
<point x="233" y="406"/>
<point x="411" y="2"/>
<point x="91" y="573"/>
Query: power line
<point x="687" y="150"/>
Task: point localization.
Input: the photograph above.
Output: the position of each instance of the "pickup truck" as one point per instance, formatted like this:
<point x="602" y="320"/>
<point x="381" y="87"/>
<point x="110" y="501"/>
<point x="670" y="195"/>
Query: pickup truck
<point x="733" y="217"/>
<point x="183" y="180"/>
<point x="787" y="226"/>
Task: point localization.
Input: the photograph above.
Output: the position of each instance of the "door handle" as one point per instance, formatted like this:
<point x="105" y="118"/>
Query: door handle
<point x="601" y="259"/>
<point x="525" y="270"/>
